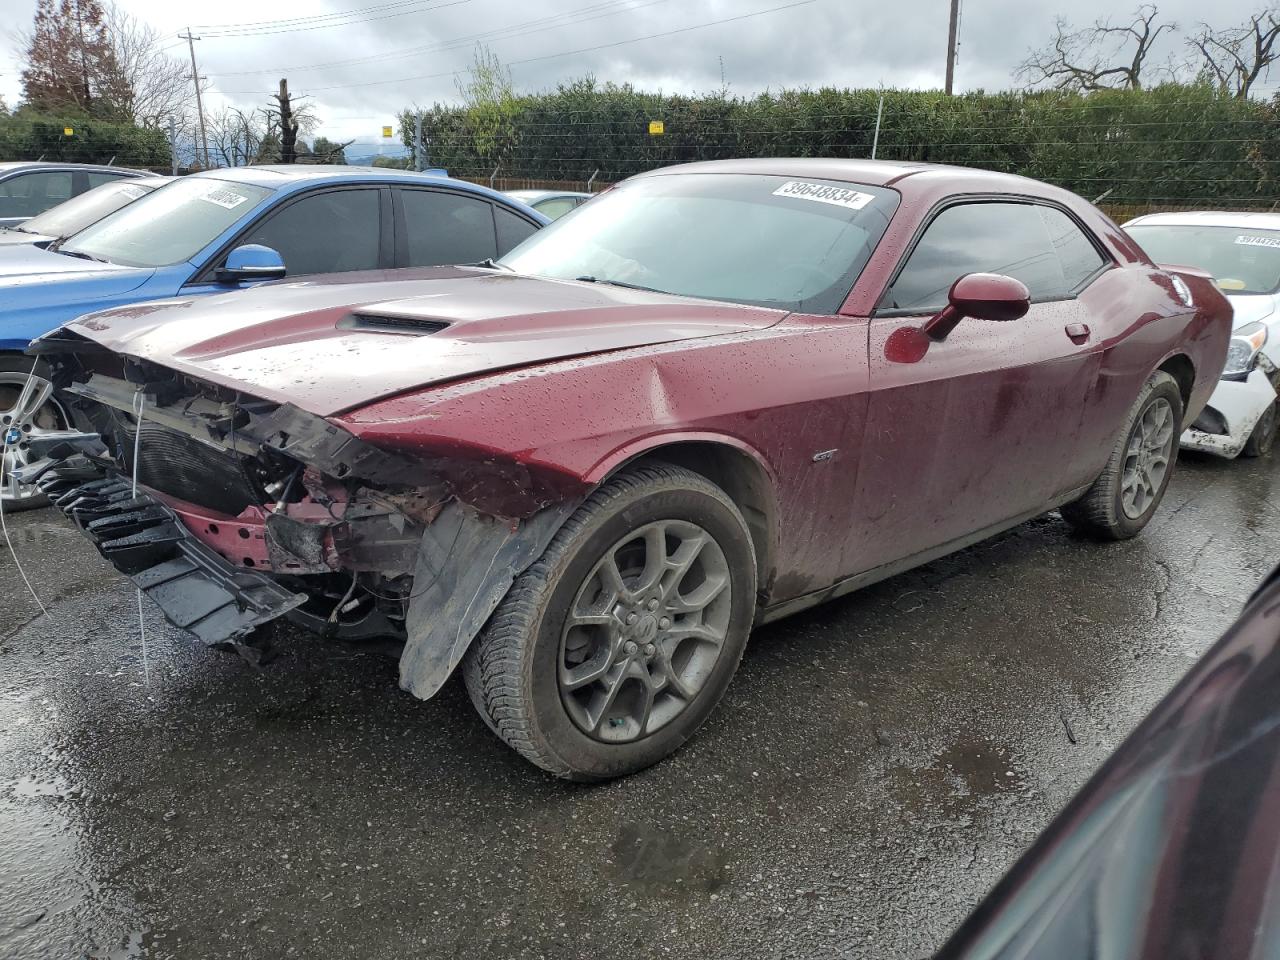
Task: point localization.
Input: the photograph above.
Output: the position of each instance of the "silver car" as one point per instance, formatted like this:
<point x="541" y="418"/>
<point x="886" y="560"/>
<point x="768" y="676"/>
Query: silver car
<point x="29" y="189"/>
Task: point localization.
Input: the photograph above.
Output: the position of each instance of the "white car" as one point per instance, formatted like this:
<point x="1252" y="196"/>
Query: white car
<point x="1242" y="252"/>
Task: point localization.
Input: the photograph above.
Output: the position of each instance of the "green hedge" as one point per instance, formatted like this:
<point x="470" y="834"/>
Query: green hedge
<point x="27" y="136"/>
<point x="1172" y="143"/>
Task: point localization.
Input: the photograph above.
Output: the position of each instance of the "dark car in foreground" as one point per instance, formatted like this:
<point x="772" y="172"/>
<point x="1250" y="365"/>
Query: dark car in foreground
<point x="1172" y="850"/>
<point x="715" y="395"/>
<point x="74" y="215"/>
<point x="28" y="189"/>
<point x="224" y="230"/>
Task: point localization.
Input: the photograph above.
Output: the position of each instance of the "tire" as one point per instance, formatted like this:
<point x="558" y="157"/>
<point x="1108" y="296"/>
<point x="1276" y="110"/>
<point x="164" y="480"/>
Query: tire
<point x="535" y="639"/>
<point x="1263" y="437"/>
<point x="14" y="370"/>
<point x="1103" y="512"/>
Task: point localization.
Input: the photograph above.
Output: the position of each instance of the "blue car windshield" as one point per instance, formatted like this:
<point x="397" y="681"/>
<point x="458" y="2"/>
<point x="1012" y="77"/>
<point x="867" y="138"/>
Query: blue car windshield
<point x="168" y="226"/>
<point x="745" y="238"/>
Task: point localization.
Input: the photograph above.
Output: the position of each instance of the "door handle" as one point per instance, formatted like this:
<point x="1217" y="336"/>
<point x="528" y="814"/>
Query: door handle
<point x="1078" y="332"/>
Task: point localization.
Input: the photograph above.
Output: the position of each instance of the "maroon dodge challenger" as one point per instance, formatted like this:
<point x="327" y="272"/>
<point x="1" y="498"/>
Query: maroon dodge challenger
<point x="712" y="396"/>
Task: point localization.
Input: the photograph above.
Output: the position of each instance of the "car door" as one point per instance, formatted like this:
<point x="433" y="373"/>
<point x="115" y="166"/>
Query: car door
<point x="436" y="227"/>
<point x="27" y="194"/>
<point x="325" y="231"/>
<point x="983" y="428"/>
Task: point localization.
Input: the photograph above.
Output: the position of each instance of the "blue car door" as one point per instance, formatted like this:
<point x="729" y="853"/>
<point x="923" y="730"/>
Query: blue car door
<point x="330" y="230"/>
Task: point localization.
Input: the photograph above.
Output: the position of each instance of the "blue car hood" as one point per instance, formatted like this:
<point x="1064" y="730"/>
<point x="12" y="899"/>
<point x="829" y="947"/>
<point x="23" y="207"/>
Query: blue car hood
<point x="29" y="273"/>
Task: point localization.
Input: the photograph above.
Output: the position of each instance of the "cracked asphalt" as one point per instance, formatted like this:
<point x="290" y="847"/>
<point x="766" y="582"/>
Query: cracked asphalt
<point x="875" y="766"/>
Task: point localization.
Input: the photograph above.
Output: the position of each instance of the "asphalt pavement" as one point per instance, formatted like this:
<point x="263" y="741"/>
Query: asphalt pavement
<point x="875" y="766"/>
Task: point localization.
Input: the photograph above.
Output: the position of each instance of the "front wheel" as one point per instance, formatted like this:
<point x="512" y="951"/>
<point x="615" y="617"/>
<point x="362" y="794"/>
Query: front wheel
<point x="612" y="649"/>
<point x="28" y="408"/>
<point x="1263" y="437"/>
<point x="1125" y="496"/>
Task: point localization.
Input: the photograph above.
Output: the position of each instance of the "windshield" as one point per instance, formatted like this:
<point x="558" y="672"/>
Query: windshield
<point x="78" y="212"/>
<point x="168" y="226"/>
<point x="1240" y="259"/>
<point x="745" y="238"/>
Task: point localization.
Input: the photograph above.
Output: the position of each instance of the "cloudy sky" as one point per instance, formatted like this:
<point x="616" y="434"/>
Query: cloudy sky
<point x="363" y="60"/>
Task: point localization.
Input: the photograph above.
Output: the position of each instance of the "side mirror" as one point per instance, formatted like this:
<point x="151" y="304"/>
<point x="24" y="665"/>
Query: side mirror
<point x="983" y="296"/>
<point x="251" y="262"/>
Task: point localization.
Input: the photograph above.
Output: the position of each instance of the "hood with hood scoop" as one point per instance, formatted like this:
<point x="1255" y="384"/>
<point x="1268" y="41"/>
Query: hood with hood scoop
<point x="329" y="345"/>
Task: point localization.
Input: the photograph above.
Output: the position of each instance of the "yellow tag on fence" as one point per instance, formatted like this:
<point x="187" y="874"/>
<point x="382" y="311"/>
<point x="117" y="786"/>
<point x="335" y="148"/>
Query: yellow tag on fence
<point x="386" y="131"/>
<point x="657" y="128"/>
<point x="68" y="131"/>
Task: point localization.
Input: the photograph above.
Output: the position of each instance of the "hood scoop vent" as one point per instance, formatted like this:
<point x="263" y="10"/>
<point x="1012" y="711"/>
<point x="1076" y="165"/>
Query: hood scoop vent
<point x="384" y="323"/>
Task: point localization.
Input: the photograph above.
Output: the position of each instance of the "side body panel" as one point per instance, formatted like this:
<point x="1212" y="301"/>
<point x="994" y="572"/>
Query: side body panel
<point x="984" y="427"/>
<point x="792" y="398"/>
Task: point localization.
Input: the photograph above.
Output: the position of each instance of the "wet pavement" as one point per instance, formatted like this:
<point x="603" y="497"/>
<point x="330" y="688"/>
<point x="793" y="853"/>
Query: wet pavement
<point x="875" y="766"/>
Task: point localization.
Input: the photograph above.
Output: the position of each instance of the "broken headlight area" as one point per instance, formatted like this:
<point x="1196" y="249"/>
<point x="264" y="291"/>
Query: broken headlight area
<point x="247" y="510"/>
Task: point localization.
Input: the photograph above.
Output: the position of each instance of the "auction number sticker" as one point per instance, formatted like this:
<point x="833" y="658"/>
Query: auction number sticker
<point x="224" y="198"/>
<point x="820" y="192"/>
<point x="1258" y="241"/>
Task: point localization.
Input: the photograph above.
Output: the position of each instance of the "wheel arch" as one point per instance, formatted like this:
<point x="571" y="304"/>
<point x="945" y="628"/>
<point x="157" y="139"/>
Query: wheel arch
<point x="737" y="469"/>
<point x="1180" y="367"/>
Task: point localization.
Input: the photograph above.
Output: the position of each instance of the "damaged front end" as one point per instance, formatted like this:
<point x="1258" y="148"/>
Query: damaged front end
<point x="236" y="511"/>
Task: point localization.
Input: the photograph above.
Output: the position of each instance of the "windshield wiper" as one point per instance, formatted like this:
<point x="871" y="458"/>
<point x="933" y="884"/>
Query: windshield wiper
<point x="491" y="264"/>
<point x="620" y="283"/>
<point x="82" y="256"/>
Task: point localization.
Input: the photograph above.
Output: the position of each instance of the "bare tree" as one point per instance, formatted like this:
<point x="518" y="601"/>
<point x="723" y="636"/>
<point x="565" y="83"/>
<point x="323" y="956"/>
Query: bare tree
<point x="1237" y="58"/>
<point x="288" y="120"/>
<point x="1102" y="56"/>
<point x="236" y="137"/>
<point x="152" y="86"/>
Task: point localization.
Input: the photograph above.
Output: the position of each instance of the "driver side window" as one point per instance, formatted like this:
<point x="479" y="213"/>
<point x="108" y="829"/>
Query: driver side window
<point x="330" y="232"/>
<point x="1007" y="238"/>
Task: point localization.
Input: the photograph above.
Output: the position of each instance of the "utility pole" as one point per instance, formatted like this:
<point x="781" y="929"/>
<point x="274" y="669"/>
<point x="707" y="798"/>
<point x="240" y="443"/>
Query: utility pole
<point x="417" y="141"/>
<point x="173" y="147"/>
<point x="951" y="45"/>
<point x="195" y="78"/>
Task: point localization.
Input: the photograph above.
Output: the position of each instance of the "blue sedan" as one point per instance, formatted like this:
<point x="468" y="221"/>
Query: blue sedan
<point x="226" y="229"/>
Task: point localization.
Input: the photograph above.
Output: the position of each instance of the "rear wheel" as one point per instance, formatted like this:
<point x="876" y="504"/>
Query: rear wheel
<point x="612" y="649"/>
<point x="27" y="409"/>
<point x="1263" y="437"/>
<point x="1127" y="492"/>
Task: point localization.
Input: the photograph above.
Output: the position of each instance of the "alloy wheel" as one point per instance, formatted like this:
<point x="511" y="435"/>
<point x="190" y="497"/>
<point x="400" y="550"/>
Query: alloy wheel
<point x="1147" y="458"/>
<point x="27" y="409"/>
<point x="645" y="631"/>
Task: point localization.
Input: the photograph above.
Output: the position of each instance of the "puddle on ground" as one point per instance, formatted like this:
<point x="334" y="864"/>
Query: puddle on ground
<point x="660" y="860"/>
<point x="957" y="778"/>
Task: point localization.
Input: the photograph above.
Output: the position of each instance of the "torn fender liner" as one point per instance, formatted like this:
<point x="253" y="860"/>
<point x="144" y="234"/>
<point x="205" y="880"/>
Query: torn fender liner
<point x="466" y="564"/>
<point x="196" y="588"/>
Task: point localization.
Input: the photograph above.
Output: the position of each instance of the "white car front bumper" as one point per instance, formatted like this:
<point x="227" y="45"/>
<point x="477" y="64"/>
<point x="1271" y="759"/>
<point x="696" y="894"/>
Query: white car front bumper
<point x="1235" y="407"/>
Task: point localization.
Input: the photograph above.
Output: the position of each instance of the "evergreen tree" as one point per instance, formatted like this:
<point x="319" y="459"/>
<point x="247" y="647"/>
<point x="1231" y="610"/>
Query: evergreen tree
<point x="70" y="66"/>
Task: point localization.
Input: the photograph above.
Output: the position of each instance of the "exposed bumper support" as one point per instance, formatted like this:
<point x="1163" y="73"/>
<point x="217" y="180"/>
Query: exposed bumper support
<point x="196" y="588"/>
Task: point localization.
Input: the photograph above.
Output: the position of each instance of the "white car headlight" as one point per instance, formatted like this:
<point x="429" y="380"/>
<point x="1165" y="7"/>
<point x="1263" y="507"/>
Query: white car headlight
<point x="1242" y="355"/>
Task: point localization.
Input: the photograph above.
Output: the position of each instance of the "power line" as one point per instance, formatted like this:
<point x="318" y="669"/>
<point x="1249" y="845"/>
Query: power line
<point x="568" y="53"/>
<point x="417" y="8"/>
<point x="313" y="17"/>
<point x="536" y="25"/>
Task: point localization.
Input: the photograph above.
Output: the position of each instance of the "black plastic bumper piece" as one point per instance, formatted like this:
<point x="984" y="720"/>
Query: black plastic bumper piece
<point x="197" y="589"/>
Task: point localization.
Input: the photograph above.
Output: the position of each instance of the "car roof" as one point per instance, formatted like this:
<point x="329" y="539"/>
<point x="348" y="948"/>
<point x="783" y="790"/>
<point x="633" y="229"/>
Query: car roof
<point x="925" y="177"/>
<point x="281" y="176"/>
<point x="12" y="165"/>
<point x="1210" y="218"/>
<point x="533" y="196"/>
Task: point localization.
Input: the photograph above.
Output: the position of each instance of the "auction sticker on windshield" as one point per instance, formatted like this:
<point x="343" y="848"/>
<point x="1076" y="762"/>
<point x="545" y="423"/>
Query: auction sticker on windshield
<point x="1258" y="241"/>
<point x="823" y="193"/>
<point x="224" y="198"/>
